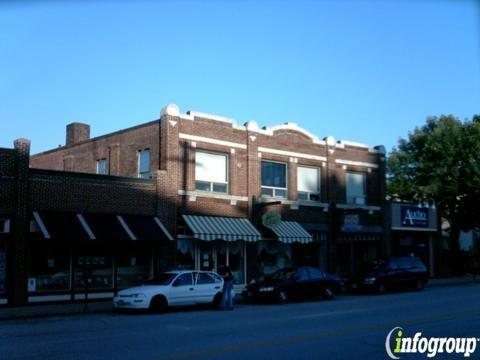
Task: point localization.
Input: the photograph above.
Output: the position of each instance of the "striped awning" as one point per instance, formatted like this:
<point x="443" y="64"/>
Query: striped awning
<point x="290" y="232"/>
<point x="210" y="228"/>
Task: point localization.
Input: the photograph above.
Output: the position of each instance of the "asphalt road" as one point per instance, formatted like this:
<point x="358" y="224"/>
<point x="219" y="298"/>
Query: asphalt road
<point x="348" y="327"/>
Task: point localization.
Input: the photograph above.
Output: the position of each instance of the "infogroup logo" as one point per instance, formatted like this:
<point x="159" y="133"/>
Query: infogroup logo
<point x="397" y="343"/>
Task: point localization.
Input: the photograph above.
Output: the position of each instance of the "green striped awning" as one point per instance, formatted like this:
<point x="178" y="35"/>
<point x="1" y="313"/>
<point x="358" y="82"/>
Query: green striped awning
<point x="290" y="232"/>
<point x="210" y="228"/>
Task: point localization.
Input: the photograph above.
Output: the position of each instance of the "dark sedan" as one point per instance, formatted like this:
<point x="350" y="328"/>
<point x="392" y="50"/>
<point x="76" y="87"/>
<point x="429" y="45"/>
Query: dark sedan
<point x="293" y="284"/>
<point x="392" y="273"/>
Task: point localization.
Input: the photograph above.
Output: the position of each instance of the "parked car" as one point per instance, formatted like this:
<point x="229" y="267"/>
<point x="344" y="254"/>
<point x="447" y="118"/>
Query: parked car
<point x="172" y="289"/>
<point x="289" y="283"/>
<point x="394" y="272"/>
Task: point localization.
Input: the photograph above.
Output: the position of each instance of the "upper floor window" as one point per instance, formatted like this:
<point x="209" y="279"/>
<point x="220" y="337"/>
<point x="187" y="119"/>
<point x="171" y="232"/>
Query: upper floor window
<point x="102" y="167"/>
<point x="308" y="183"/>
<point x="211" y="172"/>
<point x="274" y="179"/>
<point x="356" y="188"/>
<point x="144" y="164"/>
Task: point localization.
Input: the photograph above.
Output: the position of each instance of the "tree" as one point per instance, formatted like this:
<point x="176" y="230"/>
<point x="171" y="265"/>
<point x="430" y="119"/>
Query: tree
<point x="440" y="160"/>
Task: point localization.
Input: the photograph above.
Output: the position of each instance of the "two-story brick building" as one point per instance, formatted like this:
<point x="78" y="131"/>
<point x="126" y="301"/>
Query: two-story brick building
<point x="257" y="199"/>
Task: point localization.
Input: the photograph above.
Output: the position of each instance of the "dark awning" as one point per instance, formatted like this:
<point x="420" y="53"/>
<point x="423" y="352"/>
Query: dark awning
<point x="56" y="225"/>
<point x="147" y="228"/>
<point x="290" y="232"/>
<point x="221" y="228"/>
<point x="362" y="233"/>
<point x="319" y="231"/>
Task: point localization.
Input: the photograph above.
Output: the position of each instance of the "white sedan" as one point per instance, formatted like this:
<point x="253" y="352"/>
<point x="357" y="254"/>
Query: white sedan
<point x="171" y="289"/>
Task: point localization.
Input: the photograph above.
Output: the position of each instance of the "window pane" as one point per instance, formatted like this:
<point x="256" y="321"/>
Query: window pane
<point x="2" y="267"/>
<point x="307" y="179"/>
<point x="355" y="186"/>
<point x="185" y="254"/>
<point x="267" y="192"/>
<point x="220" y="188"/>
<point x="100" y="269"/>
<point x="204" y="278"/>
<point x="49" y="268"/>
<point x="210" y="167"/>
<point x="133" y="267"/>
<point x="102" y="167"/>
<point x="282" y="194"/>
<point x="144" y="162"/>
<point x="202" y="185"/>
<point x="302" y="195"/>
<point x="184" y="280"/>
<point x="274" y="174"/>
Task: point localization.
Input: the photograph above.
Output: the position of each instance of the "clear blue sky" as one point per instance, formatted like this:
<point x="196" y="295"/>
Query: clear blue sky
<point x="366" y="71"/>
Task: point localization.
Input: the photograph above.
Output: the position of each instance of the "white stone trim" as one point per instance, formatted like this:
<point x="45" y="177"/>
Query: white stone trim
<point x="293" y="203"/>
<point x="86" y="227"/>
<point x="164" y="229"/>
<point x="363" y="207"/>
<point x="291" y="126"/>
<point x="212" y="141"/>
<point x="125" y="227"/>
<point x="356" y="163"/>
<point x="41" y="225"/>
<point x="291" y="154"/>
<point x="212" y="195"/>
<point x="46" y="298"/>
<point x="3" y="301"/>
<point x="105" y="295"/>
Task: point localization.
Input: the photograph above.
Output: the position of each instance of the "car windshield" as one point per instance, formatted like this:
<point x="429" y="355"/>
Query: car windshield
<point x="161" y="279"/>
<point x="282" y="274"/>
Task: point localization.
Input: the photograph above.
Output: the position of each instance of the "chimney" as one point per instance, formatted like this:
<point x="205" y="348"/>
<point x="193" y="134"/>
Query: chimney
<point x="77" y="132"/>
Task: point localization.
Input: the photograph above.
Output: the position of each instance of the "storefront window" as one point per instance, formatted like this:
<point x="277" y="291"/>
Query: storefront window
<point x="49" y="268"/>
<point x="185" y="254"/>
<point x="236" y="261"/>
<point x="271" y="256"/>
<point x="133" y="267"/>
<point x="97" y="267"/>
<point x="2" y="267"/>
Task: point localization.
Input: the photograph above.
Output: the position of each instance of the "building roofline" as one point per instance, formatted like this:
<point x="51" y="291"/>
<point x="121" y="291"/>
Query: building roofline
<point x="64" y="147"/>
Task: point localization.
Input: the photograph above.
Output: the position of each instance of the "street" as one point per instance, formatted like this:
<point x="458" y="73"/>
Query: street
<point x="348" y="327"/>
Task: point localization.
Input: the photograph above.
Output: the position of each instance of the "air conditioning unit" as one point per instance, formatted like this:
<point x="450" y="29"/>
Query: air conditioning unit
<point x="4" y="226"/>
<point x="359" y="200"/>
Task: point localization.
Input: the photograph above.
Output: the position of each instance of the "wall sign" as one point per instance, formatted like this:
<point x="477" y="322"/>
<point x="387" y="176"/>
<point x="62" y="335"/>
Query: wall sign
<point x="271" y="218"/>
<point x="413" y="216"/>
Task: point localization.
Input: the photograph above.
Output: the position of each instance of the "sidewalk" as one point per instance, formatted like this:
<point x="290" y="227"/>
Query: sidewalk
<point x="453" y="281"/>
<point x="35" y="311"/>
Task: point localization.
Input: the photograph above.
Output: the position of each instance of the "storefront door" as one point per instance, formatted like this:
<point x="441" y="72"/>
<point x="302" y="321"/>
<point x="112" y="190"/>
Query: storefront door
<point x="206" y="253"/>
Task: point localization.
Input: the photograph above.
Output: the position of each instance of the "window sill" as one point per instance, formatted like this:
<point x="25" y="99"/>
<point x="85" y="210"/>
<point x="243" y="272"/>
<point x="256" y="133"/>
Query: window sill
<point x="212" y="195"/>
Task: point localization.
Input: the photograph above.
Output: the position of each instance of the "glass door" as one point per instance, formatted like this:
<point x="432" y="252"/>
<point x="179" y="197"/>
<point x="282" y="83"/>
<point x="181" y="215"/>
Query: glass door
<point x="206" y="253"/>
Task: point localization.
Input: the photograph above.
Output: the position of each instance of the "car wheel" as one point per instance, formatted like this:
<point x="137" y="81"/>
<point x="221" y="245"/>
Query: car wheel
<point x="158" y="303"/>
<point x="381" y="288"/>
<point x="328" y="294"/>
<point x="419" y="285"/>
<point x="217" y="300"/>
<point x="282" y="297"/>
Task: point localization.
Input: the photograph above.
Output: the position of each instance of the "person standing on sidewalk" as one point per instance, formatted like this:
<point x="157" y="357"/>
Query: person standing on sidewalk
<point x="227" y="297"/>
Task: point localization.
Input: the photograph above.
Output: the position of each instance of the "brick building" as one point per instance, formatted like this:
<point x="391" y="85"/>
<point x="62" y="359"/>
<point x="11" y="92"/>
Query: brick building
<point x="254" y="198"/>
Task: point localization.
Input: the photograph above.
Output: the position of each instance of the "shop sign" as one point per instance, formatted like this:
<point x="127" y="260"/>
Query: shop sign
<point x="413" y="216"/>
<point x="271" y="218"/>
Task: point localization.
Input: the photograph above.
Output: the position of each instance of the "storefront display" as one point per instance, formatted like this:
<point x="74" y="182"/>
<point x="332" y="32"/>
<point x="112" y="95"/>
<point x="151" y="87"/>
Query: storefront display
<point x="96" y="267"/>
<point x="134" y="266"/>
<point x="49" y="268"/>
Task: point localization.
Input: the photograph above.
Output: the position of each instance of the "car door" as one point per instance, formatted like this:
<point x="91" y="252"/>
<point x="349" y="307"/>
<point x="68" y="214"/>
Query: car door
<point x="318" y="282"/>
<point x="206" y="287"/>
<point x="182" y="290"/>
<point x="300" y="285"/>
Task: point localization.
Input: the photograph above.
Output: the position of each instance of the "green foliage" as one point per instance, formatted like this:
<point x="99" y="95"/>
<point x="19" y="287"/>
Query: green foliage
<point x="440" y="160"/>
